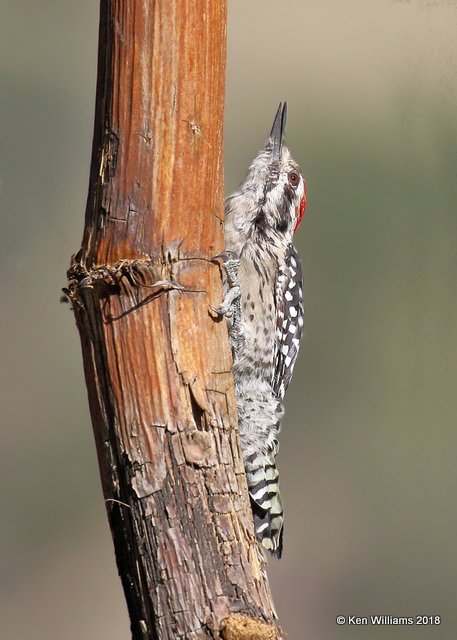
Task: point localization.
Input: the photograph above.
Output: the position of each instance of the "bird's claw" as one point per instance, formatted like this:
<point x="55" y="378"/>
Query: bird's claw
<point x="221" y="311"/>
<point x="226" y="308"/>
<point x="225" y="257"/>
<point x="230" y="263"/>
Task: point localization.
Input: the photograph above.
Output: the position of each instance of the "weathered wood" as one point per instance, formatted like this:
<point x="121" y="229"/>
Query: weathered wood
<point x="157" y="364"/>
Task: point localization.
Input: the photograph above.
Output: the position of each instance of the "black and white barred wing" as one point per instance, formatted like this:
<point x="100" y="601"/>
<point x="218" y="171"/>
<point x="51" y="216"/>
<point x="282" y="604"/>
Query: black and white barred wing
<point x="289" y="320"/>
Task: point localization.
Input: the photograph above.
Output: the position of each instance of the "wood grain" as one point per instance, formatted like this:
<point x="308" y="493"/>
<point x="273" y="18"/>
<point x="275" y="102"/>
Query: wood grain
<point x="157" y="363"/>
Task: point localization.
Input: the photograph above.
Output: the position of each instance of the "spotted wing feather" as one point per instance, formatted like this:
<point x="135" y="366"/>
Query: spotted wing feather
<point x="289" y="320"/>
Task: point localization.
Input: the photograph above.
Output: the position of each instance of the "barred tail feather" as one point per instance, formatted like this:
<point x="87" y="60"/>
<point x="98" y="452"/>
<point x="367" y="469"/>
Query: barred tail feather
<point x="263" y="483"/>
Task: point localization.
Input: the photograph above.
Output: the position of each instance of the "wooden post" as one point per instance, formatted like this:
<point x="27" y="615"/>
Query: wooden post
<point x="157" y="363"/>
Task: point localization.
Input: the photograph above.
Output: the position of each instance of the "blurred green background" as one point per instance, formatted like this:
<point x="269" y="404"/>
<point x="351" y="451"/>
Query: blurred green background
<point x="369" y="442"/>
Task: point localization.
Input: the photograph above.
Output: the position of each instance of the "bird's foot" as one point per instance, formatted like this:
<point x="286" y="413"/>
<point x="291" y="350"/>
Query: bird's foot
<point x="230" y="263"/>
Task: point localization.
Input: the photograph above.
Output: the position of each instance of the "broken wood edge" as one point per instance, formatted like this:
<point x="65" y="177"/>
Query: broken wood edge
<point x="241" y="627"/>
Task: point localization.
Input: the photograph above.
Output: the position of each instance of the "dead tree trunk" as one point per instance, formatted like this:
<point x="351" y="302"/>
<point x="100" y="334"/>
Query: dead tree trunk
<point x="157" y="364"/>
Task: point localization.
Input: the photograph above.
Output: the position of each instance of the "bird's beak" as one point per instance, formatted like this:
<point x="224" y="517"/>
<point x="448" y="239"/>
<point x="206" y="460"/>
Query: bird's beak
<point x="278" y="130"/>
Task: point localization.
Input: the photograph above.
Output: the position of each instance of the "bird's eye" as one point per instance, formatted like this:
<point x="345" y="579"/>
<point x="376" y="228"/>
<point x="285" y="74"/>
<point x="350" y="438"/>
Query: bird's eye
<point x="294" y="178"/>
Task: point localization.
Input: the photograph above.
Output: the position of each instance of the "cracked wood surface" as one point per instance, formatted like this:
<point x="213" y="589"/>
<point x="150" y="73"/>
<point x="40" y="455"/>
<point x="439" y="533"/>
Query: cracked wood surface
<point x="157" y="363"/>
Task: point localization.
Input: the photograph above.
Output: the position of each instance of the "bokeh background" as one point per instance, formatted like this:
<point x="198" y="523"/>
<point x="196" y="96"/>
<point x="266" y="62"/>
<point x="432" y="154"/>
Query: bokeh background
<point x="369" y="446"/>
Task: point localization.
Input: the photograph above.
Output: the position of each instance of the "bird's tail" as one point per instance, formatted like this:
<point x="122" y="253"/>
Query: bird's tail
<point x="263" y="483"/>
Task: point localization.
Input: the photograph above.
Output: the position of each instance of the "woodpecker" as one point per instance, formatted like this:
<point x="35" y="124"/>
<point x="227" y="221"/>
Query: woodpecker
<point x="264" y="306"/>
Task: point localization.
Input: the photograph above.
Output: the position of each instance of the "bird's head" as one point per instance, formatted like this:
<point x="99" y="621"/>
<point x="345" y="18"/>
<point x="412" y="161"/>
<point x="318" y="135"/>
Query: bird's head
<point x="274" y="191"/>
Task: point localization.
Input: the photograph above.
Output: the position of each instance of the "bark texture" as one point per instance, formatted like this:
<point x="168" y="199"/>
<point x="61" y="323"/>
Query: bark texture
<point x="157" y="363"/>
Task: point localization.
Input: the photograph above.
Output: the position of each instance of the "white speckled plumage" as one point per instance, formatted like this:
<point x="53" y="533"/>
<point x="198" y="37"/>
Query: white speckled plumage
<point x="261" y="218"/>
